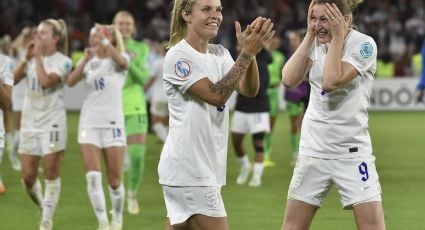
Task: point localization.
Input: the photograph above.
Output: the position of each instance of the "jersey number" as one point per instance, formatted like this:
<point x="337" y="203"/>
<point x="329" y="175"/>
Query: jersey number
<point x="99" y="84"/>
<point x="116" y="133"/>
<point x="54" y="136"/>
<point x="363" y="171"/>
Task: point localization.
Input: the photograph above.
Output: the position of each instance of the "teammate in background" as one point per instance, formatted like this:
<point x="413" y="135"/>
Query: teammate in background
<point x="199" y="78"/>
<point x="296" y="100"/>
<point x="159" y="103"/>
<point x="101" y="128"/>
<point x="251" y="116"/>
<point x="421" y="84"/>
<point x="19" y="45"/>
<point x="43" y="125"/>
<point x="6" y="83"/>
<point x="136" y="121"/>
<point x="335" y="145"/>
<point x="275" y="72"/>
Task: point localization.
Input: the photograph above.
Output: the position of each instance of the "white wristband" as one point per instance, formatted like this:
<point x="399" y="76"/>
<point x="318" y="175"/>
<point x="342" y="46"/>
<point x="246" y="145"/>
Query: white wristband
<point x="105" y="42"/>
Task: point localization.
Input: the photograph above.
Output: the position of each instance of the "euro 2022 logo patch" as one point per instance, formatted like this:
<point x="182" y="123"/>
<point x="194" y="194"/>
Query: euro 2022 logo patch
<point x="182" y="68"/>
<point x="366" y="50"/>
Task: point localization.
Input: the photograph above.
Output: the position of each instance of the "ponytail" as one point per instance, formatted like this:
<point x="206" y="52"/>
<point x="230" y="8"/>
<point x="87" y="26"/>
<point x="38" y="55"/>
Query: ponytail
<point x="178" y="26"/>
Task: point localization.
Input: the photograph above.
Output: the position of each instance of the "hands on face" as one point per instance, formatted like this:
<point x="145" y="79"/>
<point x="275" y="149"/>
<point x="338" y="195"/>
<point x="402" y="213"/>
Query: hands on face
<point x="37" y="47"/>
<point x="337" y="22"/>
<point x="103" y="32"/>
<point x="311" y="28"/>
<point x="29" y="53"/>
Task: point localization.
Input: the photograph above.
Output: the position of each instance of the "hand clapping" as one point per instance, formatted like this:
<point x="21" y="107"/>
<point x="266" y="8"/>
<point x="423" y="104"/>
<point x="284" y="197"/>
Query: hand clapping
<point x="255" y="36"/>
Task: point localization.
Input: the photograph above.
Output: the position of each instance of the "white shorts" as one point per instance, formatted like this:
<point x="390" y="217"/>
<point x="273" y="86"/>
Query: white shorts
<point x="159" y="108"/>
<point x="184" y="202"/>
<point x="102" y="137"/>
<point x="355" y="179"/>
<point x="18" y="94"/>
<point x="250" y="122"/>
<point x="42" y="143"/>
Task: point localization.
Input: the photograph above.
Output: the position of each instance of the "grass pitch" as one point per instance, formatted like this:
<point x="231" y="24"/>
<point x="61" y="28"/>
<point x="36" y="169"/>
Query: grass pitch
<point x="398" y="141"/>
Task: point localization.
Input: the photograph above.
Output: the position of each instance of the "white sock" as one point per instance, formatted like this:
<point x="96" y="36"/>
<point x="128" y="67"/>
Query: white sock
<point x="9" y="138"/>
<point x="160" y="130"/>
<point x="96" y="195"/>
<point x="244" y="161"/>
<point x="35" y="193"/>
<point x="16" y="143"/>
<point x="117" y="201"/>
<point x="51" y="196"/>
<point x="258" y="169"/>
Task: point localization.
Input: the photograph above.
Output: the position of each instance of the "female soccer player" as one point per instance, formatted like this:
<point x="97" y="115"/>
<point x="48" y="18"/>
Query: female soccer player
<point x="101" y="128"/>
<point x="335" y="145"/>
<point x="136" y="121"/>
<point x="198" y="79"/>
<point x="43" y="124"/>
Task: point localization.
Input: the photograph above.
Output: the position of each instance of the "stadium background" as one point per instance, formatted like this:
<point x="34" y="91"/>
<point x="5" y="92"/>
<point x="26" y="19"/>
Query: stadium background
<point x="398" y="26"/>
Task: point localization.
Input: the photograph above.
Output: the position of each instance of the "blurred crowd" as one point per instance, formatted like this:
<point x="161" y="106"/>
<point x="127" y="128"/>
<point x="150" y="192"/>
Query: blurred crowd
<point x="398" y="26"/>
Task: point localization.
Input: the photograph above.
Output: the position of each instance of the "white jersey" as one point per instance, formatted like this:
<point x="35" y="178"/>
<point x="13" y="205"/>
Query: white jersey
<point x="336" y="123"/>
<point x="103" y="106"/>
<point x="195" y="151"/>
<point x="44" y="109"/>
<point x="6" y="76"/>
<point x="158" y="86"/>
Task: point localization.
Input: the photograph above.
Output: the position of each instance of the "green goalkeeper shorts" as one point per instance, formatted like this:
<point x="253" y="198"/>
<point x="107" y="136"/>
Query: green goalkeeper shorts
<point x="136" y="124"/>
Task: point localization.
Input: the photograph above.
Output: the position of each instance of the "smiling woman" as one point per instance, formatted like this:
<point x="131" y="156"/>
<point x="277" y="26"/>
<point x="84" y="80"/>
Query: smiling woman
<point x="198" y="79"/>
<point x="335" y="146"/>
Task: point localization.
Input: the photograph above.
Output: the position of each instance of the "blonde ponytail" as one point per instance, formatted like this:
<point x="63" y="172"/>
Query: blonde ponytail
<point x="119" y="41"/>
<point x="178" y="25"/>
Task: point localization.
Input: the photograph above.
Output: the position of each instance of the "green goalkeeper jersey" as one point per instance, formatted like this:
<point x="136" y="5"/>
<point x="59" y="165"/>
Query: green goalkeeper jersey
<point x="275" y="68"/>
<point x="134" y="101"/>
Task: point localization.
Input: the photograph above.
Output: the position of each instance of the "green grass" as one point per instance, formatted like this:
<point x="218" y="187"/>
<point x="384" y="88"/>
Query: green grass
<point x="399" y="145"/>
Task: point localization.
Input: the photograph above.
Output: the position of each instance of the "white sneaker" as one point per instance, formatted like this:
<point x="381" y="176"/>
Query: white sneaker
<point x="116" y="224"/>
<point x="255" y="181"/>
<point x="46" y="224"/>
<point x="103" y="226"/>
<point x="243" y="174"/>
<point x="132" y="205"/>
